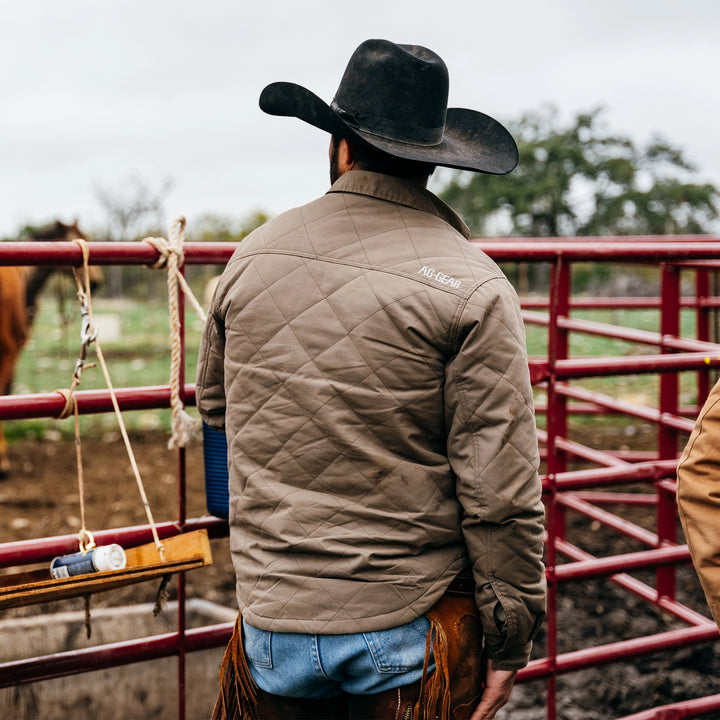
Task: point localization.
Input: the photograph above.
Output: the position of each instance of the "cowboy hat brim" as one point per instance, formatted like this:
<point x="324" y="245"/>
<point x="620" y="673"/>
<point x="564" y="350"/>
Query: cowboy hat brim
<point x="471" y="140"/>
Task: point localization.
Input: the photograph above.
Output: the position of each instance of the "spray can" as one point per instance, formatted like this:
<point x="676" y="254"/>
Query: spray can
<point x="99" y="559"/>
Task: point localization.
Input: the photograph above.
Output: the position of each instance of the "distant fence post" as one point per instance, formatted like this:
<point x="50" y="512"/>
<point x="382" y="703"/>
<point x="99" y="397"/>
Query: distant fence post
<point x="668" y="435"/>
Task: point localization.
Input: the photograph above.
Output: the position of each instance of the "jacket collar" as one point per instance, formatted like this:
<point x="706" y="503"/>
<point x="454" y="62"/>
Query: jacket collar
<point x="401" y="192"/>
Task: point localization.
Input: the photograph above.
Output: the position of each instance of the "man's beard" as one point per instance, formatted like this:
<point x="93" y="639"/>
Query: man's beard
<point x="334" y="171"/>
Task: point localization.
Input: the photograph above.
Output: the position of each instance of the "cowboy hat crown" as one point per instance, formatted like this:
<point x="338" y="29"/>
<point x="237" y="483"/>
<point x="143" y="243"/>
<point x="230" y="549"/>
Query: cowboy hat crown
<point x="394" y="98"/>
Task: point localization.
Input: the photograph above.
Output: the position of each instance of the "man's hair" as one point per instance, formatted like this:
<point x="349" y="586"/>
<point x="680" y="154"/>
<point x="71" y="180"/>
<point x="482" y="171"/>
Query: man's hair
<point x="373" y="160"/>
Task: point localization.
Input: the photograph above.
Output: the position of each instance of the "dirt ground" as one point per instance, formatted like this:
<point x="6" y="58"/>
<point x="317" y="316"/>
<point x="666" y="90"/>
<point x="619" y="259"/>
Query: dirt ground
<point x="40" y="499"/>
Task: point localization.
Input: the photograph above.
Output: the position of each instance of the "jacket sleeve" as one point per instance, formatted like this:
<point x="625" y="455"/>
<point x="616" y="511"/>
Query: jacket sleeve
<point x="698" y="495"/>
<point x="492" y="447"/>
<point x="210" y="378"/>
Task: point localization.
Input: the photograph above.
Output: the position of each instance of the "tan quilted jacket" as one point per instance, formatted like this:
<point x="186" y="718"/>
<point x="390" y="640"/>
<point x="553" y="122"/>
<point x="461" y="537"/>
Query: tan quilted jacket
<point x="698" y="493"/>
<point x="368" y="366"/>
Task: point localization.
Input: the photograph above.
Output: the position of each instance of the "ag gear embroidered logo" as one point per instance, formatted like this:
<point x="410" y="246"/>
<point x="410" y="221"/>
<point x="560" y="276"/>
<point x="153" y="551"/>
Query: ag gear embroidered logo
<point x="438" y="276"/>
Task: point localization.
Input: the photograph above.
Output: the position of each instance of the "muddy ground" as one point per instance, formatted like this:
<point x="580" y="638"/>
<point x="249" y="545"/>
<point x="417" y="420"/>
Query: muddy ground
<point x="41" y="499"/>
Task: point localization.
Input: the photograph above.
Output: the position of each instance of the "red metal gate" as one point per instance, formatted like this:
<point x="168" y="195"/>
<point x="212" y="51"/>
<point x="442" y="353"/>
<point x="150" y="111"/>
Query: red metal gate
<point x="578" y="478"/>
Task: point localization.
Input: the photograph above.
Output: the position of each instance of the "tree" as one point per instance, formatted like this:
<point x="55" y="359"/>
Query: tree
<point x="582" y="180"/>
<point x="212" y="227"/>
<point x="133" y="211"/>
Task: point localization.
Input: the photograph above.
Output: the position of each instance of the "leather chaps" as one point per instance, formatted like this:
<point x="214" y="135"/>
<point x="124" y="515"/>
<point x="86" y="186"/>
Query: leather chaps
<point x="451" y="692"/>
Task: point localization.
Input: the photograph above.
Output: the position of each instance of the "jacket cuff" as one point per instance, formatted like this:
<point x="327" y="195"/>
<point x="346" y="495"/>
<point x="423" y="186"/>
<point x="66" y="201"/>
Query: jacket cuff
<point x="215" y="421"/>
<point x="514" y="658"/>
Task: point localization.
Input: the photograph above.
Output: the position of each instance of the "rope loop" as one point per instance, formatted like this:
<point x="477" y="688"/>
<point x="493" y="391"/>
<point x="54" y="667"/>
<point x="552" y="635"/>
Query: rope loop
<point x="165" y="252"/>
<point x="177" y="237"/>
<point x="170" y="252"/>
<point x="70" y="403"/>
<point x="172" y="257"/>
<point x="86" y="541"/>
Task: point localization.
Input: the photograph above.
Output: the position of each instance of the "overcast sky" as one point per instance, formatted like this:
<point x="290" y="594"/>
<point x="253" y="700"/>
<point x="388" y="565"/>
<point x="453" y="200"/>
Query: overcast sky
<point x="94" y="92"/>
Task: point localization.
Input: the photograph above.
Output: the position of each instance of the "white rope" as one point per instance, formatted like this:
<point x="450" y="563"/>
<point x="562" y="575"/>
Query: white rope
<point x="172" y="257"/>
<point x="90" y="336"/>
<point x="164" y="250"/>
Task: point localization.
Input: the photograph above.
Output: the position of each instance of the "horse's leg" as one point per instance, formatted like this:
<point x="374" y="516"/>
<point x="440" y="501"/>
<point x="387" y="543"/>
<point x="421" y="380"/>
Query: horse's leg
<point x="4" y="459"/>
<point x="13" y="333"/>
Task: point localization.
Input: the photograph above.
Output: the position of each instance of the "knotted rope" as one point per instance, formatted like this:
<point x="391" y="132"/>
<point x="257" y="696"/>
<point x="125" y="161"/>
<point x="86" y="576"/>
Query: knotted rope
<point x="172" y="257"/>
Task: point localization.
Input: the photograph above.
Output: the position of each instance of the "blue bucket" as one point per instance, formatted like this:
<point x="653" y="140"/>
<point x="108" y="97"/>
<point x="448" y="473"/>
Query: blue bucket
<point x="216" y="471"/>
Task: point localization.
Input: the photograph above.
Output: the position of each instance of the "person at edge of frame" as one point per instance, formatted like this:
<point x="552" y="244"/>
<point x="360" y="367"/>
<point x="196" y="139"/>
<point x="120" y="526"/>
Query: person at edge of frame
<point x="698" y="498"/>
<point x="368" y="367"/>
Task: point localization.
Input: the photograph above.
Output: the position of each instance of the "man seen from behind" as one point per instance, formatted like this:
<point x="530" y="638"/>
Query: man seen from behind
<point x="368" y="367"/>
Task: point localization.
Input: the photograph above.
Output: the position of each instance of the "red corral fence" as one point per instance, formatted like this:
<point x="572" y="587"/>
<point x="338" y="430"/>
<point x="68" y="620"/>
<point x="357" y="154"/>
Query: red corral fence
<point x="595" y="480"/>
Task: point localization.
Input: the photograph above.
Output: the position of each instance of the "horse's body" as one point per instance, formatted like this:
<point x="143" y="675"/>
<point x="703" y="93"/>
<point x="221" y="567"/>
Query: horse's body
<point x="19" y="290"/>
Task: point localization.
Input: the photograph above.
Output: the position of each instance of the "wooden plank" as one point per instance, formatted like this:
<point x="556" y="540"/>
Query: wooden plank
<point x="179" y="547"/>
<point x="182" y="553"/>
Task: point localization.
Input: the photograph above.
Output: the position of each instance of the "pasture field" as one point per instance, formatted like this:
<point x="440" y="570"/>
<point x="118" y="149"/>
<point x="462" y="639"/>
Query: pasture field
<point x="135" y="338"/>
<point x="640" y="389"/>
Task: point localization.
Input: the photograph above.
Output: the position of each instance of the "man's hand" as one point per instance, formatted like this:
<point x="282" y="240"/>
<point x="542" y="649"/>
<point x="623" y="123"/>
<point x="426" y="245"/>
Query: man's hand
<point x="498" y="686"/>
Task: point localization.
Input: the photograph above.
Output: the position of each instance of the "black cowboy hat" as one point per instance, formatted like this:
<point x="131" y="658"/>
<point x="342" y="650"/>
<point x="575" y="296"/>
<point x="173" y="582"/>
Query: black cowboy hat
<point x="394" y="98"/>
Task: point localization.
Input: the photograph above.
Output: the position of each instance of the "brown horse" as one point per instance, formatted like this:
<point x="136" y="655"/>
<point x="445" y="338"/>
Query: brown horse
<point x="20" y="288"/>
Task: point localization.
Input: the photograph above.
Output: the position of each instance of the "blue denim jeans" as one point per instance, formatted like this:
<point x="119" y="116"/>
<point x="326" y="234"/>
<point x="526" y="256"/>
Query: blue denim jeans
<point x="323" y="666"/>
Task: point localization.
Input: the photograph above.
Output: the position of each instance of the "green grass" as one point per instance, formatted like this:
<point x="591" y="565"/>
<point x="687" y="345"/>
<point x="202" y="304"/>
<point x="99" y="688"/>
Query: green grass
<point x="135" y="340"/>
<point x="583" y="345"/>
<point x="641" y="389"/>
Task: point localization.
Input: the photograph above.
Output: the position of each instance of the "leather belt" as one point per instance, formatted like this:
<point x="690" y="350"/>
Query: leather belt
<point x="462" y="584"/>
